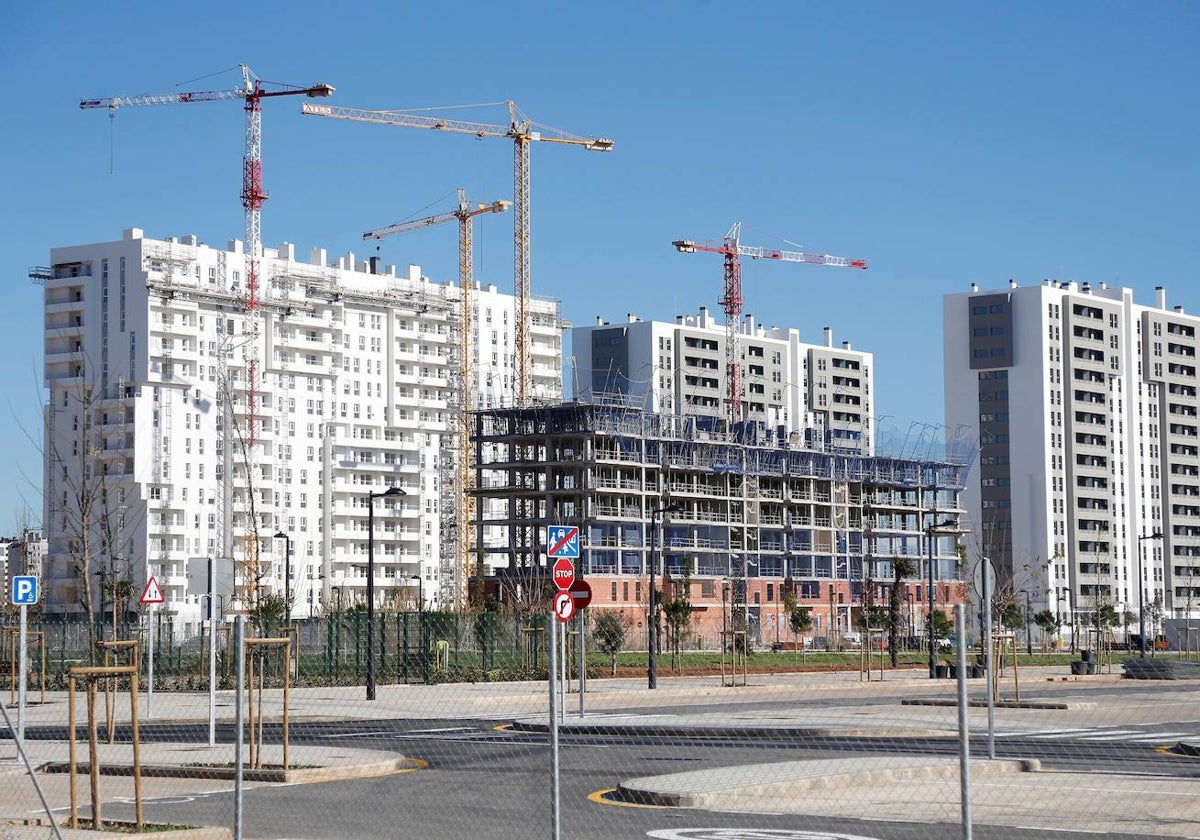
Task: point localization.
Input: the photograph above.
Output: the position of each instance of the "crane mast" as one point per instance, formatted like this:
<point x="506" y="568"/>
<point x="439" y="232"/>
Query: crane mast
<point x="522" y="132"/>
<point x="464" y="501"/>
<point x="732" y="302"/>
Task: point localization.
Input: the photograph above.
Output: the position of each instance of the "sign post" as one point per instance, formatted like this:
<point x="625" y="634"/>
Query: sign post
<point x="152" y="596"/>
<point x="24" y="593"/>
<point x="562" y="546"/>
<point x="213" y="578"/>
<point x="581" y="595"/>
<point x="552" y="649"/>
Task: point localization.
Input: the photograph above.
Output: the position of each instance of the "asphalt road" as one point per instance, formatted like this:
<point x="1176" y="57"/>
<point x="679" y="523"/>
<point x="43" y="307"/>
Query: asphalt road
<point x="482" y="781"/>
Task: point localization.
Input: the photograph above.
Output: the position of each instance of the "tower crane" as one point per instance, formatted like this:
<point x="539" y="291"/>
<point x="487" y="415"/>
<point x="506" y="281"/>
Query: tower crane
<point x="465" y="214"/>
<point x="732" y="249"/>
<point x="252" y="92"/>
<point x="522" y="132"/>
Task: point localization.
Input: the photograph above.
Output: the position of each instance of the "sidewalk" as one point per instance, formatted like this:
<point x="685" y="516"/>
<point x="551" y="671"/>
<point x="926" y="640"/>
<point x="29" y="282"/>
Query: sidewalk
<point x="927" y="790"/>
<point x="904" y="704"/>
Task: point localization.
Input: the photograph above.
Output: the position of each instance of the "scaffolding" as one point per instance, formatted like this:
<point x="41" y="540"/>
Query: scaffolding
<point x="751" y="504"/>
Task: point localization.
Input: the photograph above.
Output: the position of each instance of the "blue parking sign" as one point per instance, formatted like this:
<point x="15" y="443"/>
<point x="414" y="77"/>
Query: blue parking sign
<point x="24" y="590"/>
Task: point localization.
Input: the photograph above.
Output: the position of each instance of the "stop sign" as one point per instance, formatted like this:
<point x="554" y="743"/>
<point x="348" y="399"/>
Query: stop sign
<point x="564" y="573"/>
<point x="581" y="594"/>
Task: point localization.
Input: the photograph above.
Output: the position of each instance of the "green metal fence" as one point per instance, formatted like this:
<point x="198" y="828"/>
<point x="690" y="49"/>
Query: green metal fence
<point x="411" y="647"/>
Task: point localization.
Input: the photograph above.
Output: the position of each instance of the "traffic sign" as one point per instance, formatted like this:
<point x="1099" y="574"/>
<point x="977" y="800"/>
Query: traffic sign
<point x="564" y="574"/>
<point x="581" y="594"/>
<point x="564" y="606"/>
<point x="153" y="593"/>
<point x="25" y="590"/>
<point x="562" y="541"/>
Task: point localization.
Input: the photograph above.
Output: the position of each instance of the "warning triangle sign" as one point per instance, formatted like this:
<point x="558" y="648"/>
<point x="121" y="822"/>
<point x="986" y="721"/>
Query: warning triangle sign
<point x="153" y="593"/>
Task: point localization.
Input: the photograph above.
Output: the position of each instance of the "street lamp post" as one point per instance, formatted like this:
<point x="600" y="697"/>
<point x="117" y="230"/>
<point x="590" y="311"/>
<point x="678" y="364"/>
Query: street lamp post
<point x="371" y="497"/>
<point x="929" y="532"/>
<point x="1074" y="619"/>
<point x="287" y="577"/>
<point x="1028" y="633"/>
<point x="1157" y="535"/>
<point x="420" y="593"/>
<point x="652" y="661"/>
<point x="912" y="629"/>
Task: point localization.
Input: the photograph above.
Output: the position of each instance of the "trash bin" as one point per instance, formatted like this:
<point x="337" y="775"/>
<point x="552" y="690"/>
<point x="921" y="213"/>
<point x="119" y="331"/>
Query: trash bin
<point x="978" y="672"/>
<point x="1085" y="655"/>
<point x="941" y="671"/>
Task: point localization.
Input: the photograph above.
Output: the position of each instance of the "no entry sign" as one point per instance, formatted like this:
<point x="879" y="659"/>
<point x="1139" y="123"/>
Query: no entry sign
<point x="581" y="594"/>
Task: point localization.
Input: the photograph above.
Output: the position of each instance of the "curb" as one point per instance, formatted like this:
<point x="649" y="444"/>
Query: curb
<point x="308" y="775"/>
<point x="748" y="733"/>
<point x="36" y="829"/>
<point x="977" y="703"/>
<point x="644" y="795"/>
<point x="1188" y="748"/>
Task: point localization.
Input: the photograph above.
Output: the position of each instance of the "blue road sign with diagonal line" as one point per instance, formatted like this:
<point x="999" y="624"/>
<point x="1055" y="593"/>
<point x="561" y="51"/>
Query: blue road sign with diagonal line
<point x="562" y="541"/>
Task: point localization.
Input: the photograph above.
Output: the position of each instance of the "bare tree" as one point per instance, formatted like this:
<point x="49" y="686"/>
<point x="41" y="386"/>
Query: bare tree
<point x="83" y="473"/>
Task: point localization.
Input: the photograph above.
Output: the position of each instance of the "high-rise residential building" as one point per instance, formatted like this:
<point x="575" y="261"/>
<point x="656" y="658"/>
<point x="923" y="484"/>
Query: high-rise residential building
<point x="21" y="555"/>
<point x="815" y="394"/>
<point x="1087" y="490"/>
<point x="160" y="449"/>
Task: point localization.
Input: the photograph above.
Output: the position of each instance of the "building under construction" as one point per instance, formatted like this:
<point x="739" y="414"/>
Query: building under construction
<point x="745" y="517"/>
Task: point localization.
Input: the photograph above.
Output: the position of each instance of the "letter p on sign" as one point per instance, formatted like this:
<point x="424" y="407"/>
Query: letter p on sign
<point x="24" y="590"/>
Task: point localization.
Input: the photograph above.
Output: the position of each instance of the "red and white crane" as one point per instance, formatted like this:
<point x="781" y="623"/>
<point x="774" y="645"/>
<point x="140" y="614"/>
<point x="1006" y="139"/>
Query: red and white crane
<point x="252" y="91"/>
<point x="732" y="249"/>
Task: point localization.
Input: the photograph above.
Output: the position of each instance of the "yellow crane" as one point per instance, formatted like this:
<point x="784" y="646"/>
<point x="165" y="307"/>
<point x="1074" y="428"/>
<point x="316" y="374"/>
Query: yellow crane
<point x="522" y="132"/>
<point x="464" y="503"/>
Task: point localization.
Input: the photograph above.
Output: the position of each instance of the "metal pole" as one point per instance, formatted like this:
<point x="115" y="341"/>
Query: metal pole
<point x="964" y="735"/>
<point x="652" y="661"/>
<point x="565" y="654"/>
<point x="23" y="665"/>
<point x="370" y="596"/>
<point x="552" y="645"/>
<point x="1028" y="632"/>
<point x="239" y="719"/>
<point x="582" y="664"/>
<point x="987" y="655"/>
<point x="1157" y="535"/>
<point x="287" y="581"/>
<point x="212" y="655"/>
<point x="929" y="629"/>
<point x="150" y="662"/>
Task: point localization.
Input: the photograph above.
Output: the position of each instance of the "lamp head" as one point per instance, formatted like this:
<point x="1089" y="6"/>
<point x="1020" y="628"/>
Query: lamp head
<point x="282" y="536"/>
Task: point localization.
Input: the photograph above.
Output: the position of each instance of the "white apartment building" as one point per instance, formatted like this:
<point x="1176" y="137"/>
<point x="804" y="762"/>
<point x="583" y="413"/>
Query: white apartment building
<point x="820" y="395"/>
<point x="152" y="457"/>
<point x="1085" y="405"/>
<point x="21" y="555"/>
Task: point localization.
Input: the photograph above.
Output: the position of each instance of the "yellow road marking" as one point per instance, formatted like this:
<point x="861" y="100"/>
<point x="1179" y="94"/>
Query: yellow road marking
<point x="599" y="797"/>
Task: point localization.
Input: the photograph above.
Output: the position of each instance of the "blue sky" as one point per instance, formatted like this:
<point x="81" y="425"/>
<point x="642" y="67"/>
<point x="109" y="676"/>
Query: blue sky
<point x="944" y="143"/>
